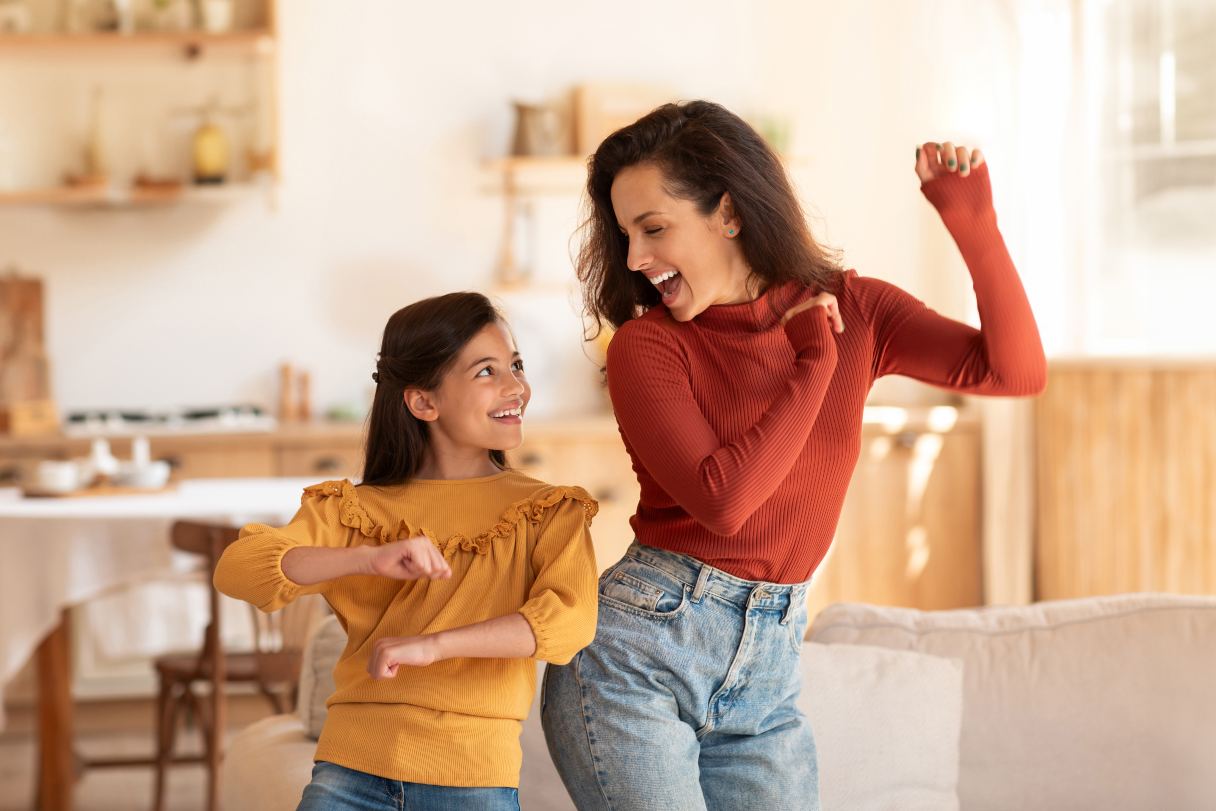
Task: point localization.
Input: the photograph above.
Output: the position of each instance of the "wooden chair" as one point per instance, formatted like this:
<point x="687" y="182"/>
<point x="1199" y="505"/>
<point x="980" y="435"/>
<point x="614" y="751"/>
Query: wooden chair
<point x="273" y="667"/>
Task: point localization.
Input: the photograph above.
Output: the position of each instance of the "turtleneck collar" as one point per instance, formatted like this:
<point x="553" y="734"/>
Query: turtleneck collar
<point x="761" y="313"/>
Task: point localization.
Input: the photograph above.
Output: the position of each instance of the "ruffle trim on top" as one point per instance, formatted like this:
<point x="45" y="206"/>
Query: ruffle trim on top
<point x="352" y="514"/>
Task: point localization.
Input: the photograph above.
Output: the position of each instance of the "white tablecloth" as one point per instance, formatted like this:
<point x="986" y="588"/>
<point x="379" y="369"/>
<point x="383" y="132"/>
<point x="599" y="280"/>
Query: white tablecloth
<point x="57" y="553"/>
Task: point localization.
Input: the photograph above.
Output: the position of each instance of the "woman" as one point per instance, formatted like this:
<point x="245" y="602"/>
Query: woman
<point x="738" y="373"/>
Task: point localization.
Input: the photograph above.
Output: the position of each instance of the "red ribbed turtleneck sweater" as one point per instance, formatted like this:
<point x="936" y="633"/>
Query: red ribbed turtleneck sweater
<point x="744" y="434"/>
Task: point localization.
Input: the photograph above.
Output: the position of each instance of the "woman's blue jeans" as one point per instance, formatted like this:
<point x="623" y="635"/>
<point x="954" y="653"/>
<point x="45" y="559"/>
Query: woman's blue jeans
<point x="686" y="700"/>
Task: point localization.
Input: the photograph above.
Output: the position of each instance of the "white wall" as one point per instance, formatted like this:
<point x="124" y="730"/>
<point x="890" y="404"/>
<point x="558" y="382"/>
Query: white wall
<point x="386" y="112"/>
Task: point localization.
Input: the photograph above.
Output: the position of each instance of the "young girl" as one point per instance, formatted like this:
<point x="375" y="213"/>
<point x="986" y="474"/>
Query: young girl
<point x="450" y="572"/>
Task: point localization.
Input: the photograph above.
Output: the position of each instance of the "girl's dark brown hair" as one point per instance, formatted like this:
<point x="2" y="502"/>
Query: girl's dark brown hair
<point x="420" y="344"/>
<point x="703" y="151"/>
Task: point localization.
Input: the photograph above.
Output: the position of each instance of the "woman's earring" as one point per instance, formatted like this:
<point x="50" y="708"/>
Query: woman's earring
<point x="731" y="232"/>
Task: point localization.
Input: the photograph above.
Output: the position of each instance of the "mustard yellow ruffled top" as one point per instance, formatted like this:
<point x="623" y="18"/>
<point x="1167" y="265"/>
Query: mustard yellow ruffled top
<point x="514" y="544"/>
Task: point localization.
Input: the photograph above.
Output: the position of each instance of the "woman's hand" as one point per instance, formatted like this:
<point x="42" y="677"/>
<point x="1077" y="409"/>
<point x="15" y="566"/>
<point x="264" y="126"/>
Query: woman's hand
<point x="392" y="652"/>
<point x="825" y="300"/>
<point x="934" y="159"/>
<point x="410" y="559"/>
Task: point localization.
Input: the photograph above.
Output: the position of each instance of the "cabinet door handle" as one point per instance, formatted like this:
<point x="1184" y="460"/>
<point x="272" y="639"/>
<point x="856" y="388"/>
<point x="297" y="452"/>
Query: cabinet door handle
<point x="906" y="439"/>
<point x="605" y="495"/>
<point x="327" y="464"/>
<point x="175" y="462"/>
<point x="531" y="459"/>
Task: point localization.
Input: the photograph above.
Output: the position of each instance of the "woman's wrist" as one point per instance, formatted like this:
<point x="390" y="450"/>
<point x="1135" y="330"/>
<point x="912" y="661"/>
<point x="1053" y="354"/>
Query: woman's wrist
<point x="810" y="333"/>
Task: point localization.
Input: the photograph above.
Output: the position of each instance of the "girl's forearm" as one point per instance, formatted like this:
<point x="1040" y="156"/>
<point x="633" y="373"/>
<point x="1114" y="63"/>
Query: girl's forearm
<point x="306" y="565"/>
<point x="506" y="637"/>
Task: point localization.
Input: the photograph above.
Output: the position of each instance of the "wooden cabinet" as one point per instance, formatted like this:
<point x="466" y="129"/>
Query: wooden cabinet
<point x="1126" y="466"/>
<point x="909" y="531"/>
<point x="328" y="461"/>
<point x="230" y="457"/>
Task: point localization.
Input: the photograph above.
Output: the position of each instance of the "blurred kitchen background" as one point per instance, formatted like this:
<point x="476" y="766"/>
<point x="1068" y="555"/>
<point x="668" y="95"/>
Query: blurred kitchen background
<point x="208" y="209"/>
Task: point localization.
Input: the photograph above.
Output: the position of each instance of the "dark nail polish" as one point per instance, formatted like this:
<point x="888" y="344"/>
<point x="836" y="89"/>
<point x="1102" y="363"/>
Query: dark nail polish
<point x="963" y="168"/>
<point x="950" y="163"/>
<point x="918" y="153"/>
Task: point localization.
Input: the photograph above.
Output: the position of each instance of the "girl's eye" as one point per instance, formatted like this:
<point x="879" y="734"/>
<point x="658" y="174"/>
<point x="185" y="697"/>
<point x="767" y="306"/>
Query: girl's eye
<point x="518" y="365"/>
<point x="652" y="231"/>
<point x="484" y="370"/>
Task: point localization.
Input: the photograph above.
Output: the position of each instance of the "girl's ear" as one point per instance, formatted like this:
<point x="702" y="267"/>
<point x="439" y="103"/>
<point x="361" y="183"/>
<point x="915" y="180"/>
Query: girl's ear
<point x="421" y="404"/>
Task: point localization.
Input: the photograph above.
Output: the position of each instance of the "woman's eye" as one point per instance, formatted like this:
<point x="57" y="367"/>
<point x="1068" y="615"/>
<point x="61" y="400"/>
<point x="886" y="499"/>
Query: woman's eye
<point x="652" y="231"/>
<point x="518" y="365"/>
<point x="485" y="370"/>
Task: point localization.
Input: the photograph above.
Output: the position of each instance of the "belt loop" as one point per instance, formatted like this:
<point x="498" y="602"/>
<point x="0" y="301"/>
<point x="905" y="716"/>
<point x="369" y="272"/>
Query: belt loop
<point x="797" y="596"/>
<point x="702" y="582"/>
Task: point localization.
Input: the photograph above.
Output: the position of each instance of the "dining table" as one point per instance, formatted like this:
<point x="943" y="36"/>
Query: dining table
<point x="60" y="552"/>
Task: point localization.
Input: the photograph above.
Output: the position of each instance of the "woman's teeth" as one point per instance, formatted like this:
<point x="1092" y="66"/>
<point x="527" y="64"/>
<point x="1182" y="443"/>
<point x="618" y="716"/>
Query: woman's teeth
<point x="662" y="277"/>
<point x="510" y="412"/>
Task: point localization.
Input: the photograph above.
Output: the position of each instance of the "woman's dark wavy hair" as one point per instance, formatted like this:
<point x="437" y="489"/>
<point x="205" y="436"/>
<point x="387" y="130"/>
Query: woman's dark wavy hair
<point x="420" y="344"/>
<point x="703" y="151"/>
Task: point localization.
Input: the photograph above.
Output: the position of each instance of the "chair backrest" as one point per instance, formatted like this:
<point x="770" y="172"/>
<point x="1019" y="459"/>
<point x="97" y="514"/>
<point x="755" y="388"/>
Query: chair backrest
<point x="278" y="638"/>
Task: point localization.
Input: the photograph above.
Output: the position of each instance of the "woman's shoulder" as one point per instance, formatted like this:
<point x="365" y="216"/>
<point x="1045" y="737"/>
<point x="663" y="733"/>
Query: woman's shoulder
<point x="653" y="334"/>
<point x="654" y="321"/>
<point x="873" y="298"/>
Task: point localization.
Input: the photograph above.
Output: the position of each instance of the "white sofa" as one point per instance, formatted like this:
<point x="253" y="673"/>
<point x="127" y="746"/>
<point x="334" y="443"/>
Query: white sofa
<point x="1103" y="703"/>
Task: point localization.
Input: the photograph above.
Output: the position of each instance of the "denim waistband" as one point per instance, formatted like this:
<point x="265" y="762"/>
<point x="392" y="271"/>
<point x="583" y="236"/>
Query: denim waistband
<point x="703" y="578"/>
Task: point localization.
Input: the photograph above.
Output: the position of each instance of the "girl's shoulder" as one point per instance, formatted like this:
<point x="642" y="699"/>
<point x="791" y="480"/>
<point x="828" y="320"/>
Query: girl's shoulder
<point x="537" y="498"/>
<point x="341" y="500"/>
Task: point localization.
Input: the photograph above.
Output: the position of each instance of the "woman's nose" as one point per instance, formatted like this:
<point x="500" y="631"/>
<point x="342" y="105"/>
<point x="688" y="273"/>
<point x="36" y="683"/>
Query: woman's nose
<point x="638" y="259"/>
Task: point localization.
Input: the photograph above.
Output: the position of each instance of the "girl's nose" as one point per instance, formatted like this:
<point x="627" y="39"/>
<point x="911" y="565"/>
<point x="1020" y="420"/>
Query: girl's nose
<point x="513" y="384"/>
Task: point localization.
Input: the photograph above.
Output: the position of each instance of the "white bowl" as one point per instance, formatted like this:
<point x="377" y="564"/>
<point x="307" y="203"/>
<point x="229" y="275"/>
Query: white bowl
<point x="56" y="476"/>
<point x="152" y="474"/>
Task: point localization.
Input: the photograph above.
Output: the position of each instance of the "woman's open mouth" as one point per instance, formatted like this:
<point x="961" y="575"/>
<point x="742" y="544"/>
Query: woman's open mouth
<point x="669" y="285"/>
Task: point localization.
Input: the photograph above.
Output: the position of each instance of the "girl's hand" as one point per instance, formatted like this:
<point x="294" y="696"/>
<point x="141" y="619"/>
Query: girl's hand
<point x="825" y="300"/>
<point x="934" y="159"/>
<point x="410" y="559"/>
<point x="392" y="652"/>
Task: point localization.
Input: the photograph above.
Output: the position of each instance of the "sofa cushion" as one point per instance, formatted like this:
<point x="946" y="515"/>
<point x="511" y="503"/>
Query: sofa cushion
<point x="1103" y="702"/>
<point x="325" y="645"/>
<point x="886" y="725"/>
<point x="267" y="765"/>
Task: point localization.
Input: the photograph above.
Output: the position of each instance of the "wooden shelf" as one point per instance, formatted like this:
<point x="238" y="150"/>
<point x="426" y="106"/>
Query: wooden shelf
<point x="253" y="41"/>
<point x="117" y="197"/>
